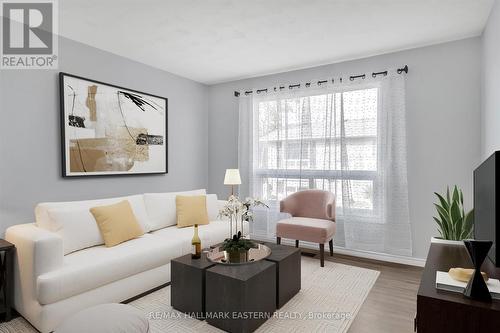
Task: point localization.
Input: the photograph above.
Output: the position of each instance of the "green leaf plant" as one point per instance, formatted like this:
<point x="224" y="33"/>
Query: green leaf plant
<point x="453" y="222"/>
<point x="238" y="244"/>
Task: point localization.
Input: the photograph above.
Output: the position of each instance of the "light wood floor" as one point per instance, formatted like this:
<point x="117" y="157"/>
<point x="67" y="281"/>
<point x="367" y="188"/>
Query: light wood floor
<point x="391" y="305"/>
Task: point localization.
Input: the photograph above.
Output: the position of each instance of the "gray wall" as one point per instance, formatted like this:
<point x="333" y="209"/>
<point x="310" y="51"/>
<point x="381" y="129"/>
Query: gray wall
<point x="490" y="85"/>
<point x="30" y="170"/>
<point x="442" y="98"/>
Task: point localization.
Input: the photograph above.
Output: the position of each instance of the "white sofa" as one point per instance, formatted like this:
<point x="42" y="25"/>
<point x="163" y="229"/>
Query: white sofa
<point x="62" y="267"/>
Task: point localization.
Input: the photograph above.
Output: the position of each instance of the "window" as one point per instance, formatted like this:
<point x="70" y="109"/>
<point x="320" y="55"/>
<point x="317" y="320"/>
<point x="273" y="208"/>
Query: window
<point x="322" y="141"/>
<point x="345" y="137"/>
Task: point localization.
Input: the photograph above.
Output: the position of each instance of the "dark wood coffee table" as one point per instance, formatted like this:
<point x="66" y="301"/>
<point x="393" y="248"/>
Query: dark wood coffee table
<point x="235" y="298"/>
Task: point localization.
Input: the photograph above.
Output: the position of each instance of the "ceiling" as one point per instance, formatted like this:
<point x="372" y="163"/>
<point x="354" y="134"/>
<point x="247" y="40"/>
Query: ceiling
<point x="213" y="41"/>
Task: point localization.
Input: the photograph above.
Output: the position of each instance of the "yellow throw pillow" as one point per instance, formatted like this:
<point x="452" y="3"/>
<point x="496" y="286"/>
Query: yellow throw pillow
<point x="117" y="223"/>
<point x="191" y="210"/>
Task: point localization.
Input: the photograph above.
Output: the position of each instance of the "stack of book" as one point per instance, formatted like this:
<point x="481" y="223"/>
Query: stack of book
<point x="445" y="282"/>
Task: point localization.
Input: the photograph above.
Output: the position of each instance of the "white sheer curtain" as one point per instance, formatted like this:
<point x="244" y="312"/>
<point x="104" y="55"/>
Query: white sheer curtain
<point x="348" y="138"/>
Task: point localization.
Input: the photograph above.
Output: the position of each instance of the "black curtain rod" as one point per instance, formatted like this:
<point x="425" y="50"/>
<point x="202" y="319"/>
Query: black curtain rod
<point x="308" y="84"/>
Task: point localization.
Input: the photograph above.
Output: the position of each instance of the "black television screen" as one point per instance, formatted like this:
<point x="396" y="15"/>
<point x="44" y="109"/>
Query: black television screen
<point x="486" y="203"/>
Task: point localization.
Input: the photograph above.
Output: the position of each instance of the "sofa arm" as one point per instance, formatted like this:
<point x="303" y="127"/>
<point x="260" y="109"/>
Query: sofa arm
<point x="38" y="250"/>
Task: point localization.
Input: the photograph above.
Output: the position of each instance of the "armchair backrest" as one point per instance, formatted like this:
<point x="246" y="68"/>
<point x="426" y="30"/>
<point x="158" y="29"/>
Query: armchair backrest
<point x="316" y="204"/>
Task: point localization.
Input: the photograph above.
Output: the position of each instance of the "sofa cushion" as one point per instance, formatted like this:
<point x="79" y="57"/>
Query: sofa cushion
<point x="185" y="234"/>
<point x="43" y="219"/>
<point x="210" y="234"/>
<point x="161" y="207"/>
<point x="216" y="232"/>
<point x="77" y="228"/>
<point x="97" y="266"/>
<point x="117" y="223"/>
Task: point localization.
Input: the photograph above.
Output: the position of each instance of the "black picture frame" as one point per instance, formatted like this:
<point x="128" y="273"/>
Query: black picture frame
<point x="62" y="113"/>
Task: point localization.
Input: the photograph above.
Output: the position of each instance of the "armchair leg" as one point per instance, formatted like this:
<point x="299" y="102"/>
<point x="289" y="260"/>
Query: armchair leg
<point x="322" y="254"/>
<point x="330" y="243"/>
<point x="278" y="240"/>
<point x="296" y="243"/>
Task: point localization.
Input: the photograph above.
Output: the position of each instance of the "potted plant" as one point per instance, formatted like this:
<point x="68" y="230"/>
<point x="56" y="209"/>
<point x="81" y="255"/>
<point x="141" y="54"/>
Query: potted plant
<point x="236" y="210"/>
<point x="454" y="224"/>
<point x="237" y="248"/>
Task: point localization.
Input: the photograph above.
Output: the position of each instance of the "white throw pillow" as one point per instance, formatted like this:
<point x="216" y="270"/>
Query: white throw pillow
<point x="212" y="207"/>
<point x="77" y="228"/>
<point x="161" y="207"/>
<point x="43" y="220"/>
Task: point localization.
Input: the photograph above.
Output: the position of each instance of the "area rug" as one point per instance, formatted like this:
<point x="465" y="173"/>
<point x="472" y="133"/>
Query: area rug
<point x="329" y="300"/>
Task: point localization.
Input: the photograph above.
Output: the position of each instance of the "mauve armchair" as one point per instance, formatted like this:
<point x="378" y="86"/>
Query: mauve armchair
<point x="313" y="219"/>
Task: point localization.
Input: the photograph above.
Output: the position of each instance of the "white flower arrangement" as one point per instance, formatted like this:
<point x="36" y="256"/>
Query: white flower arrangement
<point x="237" y="210"/>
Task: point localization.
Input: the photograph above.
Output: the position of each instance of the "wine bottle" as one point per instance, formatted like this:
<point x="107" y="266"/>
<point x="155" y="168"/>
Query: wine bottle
<point x="196" y="242"/>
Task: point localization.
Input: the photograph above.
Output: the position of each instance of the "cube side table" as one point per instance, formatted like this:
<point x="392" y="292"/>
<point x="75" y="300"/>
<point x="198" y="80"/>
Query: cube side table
<point x="188" y="284"/>
<point x="7" y="251"/>
<point x="240" y="298"/>
<point x="288" y="271"/>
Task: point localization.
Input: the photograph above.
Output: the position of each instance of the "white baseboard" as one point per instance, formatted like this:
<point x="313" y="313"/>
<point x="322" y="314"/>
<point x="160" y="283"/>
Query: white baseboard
<point x="381" y="256"/>
<point x="355" y="253"/>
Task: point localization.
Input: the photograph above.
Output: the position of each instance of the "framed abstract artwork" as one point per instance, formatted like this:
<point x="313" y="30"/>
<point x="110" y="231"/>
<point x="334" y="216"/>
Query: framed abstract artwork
<point x="110" y="130"/>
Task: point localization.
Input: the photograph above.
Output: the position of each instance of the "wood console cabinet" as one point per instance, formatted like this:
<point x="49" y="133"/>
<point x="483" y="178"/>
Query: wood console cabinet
<point x="442" y="311"/>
